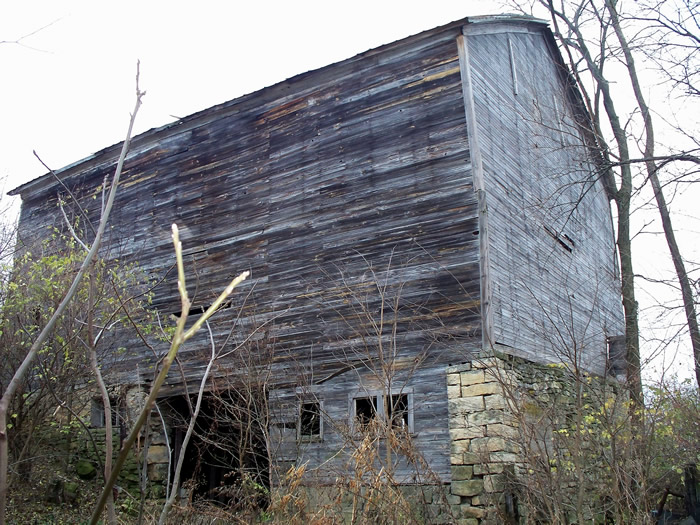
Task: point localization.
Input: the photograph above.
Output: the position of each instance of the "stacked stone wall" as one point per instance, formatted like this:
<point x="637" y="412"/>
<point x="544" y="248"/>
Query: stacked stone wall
<point x="496" y="404"/>
<point x="483" y="437"/>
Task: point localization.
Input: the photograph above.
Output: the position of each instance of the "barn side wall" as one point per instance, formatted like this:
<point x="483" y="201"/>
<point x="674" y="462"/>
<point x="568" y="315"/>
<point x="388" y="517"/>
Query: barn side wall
<point x="551" y="254"/>
<point x="346" y="192"/>
<point x="349" y="193"/>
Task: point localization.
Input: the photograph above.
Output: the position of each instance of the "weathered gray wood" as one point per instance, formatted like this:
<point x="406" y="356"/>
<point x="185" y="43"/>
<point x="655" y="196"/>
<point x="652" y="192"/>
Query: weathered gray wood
<point x="552" y="261"/>
<point x="480" y="188"/>
<point x="413" y="168"/>
<point x="312" y="184"/>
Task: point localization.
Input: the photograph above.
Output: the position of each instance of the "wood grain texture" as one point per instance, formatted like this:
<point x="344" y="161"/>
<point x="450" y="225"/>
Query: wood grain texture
<point x="552" y="251"/>
<point x="333" y="188"/>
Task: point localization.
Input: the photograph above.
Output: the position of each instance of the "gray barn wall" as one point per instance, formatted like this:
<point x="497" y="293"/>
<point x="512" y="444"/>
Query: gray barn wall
<point x="551" y="246"/>
<point x="353" y="182"/>
<point x="321" y="186"/>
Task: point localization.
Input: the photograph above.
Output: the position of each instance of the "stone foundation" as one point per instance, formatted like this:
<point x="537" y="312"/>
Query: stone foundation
<point x="495" y="405"/>
<point x="484" y="439"/>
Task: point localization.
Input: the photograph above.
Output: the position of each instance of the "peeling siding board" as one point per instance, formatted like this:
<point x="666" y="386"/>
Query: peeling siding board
<point x="551" y="243"/>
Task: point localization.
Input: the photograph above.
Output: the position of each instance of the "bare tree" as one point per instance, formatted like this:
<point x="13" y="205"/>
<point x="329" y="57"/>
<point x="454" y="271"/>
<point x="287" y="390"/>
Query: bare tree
<point x="70" y="294"/>
<point x="593" y="39"/>
<point x="672" y="40"/>
<point x="180" y="336"/>
<point x="652" y="169"/>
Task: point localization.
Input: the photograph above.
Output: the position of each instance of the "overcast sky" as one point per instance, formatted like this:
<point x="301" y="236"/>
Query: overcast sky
<point x="67" y="90"/>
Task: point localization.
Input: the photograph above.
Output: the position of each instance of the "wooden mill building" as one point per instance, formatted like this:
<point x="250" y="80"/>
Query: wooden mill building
<point x="406" y="210"/>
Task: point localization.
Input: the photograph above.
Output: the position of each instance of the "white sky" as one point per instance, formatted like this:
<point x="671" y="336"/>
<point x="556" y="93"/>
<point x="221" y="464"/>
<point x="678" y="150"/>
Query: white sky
<point x="67" y="90"/>
<point x="70" y="95"/>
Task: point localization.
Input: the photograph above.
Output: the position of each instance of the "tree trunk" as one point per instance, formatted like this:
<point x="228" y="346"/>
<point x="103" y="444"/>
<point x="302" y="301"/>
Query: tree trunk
<point x="107" y="405"/>
<point x="652" y="173"/>
<point x="46" y="331"/>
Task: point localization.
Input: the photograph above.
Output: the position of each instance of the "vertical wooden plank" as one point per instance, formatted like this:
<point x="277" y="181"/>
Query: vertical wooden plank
<point x="513" y="69"/>
<point x="479" y="188"/>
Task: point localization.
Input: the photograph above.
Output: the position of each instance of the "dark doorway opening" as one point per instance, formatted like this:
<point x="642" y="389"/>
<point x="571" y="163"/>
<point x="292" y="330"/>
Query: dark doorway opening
<point x="226" y="461"/>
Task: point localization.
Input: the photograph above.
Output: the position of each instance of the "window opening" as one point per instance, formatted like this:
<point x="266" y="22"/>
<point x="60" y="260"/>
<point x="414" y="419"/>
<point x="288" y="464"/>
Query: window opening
<point x="310" y="420"/>
<point x="397" y="411"/>
<point x="97" y="413"/>
<point x="365" y="410"/>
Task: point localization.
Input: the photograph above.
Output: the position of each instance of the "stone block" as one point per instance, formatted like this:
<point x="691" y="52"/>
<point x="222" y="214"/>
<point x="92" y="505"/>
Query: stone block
<point x="158" y="472"/>
<point x="158" y="438"/>
<point x="470" y="458"/>
<point x="425" y="493"/>
<point x="462" y="472"/>
<point x="453" y="391"/>
<point x="135" y="401"/>
<point x="457" y="420"/>
<point x="456" y="369"/>
<point x="467" y="511"/>
<point x="459" y="447"/>
<point x="453" y="499"/>
<point x="495" y="402"/>
<point x="452" y="379"/>
<point x="464" y="405"/>
<point x="493" y="483"/>
<point x="499" y="429"/>
<point x="487" y="417"/>
<point x="468" y="488"/>
<point x="467" y="433"/>
<point x="472" y="377"/>
<point x="158" y="454"/>
<point x="503" y="457"/>
<point x="487" y="444"/>
<point x="482" y="389"/>
<point x="488" y="468"/>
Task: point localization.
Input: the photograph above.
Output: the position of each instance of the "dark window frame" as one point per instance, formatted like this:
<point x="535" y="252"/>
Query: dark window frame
<point x="383" y="409"/>
<point x="97" y="413"/>
<point x="303" y="410"/>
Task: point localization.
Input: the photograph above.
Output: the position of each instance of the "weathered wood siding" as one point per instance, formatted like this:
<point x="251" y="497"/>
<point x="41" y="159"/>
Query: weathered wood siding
<point x="327" y="187"/>
<point x="552" y="254"/>
<point x="349" y="192"/>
